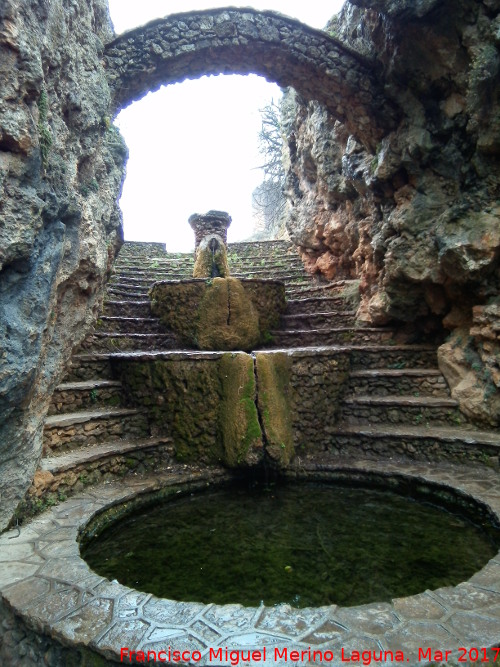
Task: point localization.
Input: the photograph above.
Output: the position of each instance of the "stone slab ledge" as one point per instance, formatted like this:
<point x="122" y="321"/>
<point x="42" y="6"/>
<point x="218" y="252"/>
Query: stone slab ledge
<point x="84" y="455"/>
<point x="440" y="433"/>
<point x="402" y="401"/>
<point x="85" y="385"/>
<point x="70" y="418"/>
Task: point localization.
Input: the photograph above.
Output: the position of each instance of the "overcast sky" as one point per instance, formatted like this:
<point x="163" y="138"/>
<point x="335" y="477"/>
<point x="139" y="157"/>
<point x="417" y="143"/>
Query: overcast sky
<point x="193" y="145"/>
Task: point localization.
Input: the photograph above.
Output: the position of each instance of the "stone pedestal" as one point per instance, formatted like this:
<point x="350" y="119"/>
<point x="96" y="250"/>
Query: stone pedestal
<point x="213" y="223"/>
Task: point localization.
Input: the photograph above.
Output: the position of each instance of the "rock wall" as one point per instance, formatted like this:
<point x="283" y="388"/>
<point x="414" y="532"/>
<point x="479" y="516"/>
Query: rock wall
<point x="61" y="168"/>
<point x="417" y="219"/>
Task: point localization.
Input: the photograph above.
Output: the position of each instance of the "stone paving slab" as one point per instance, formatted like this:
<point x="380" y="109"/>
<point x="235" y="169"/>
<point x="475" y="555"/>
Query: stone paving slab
<point x="44" y="580"/>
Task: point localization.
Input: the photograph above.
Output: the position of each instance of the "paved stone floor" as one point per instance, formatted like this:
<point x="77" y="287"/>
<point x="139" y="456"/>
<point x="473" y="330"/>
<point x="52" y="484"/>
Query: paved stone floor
<point x="44" y="580"/>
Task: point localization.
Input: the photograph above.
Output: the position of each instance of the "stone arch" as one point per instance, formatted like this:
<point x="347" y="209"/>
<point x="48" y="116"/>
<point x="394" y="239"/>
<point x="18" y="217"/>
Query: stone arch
<point x="243" y="41"/>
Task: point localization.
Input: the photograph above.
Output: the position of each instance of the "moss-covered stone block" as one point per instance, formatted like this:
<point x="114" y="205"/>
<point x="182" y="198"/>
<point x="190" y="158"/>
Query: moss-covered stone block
<point x="207" y="405"/>
<point x="219" y="313"/>
<point x="274" y="394"/>
<point x="240" y="430"/>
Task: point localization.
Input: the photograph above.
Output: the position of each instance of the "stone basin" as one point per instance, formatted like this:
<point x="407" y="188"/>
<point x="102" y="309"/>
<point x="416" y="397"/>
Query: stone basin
<point x="71" y="613"/>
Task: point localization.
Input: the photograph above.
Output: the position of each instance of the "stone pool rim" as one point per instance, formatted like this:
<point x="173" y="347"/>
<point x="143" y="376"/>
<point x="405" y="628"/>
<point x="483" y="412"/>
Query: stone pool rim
<point x="44" y="580"/>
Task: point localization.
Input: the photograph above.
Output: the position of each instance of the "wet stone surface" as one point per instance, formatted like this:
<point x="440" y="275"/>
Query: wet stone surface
<point x="54" y="610"/>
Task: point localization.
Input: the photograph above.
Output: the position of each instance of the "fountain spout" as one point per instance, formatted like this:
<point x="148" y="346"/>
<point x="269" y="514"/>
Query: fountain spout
<point x="210" y="253"/>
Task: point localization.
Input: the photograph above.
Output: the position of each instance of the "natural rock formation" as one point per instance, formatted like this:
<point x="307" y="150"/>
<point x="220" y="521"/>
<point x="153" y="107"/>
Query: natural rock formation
<point x="395" y="180"/>
<point x="61" y="167"/>
<point x="417" y="218"/>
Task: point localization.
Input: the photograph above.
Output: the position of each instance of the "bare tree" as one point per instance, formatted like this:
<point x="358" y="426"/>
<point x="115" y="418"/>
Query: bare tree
<point x="269" y="202"/>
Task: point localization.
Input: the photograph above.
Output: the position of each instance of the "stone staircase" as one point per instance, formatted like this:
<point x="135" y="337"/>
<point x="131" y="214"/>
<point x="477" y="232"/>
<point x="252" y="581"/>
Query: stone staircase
<point x="395" y="403"/>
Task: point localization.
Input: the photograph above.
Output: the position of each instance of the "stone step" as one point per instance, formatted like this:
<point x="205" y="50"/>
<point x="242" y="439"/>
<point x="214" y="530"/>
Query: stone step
<point x="147" y="282"/>
<point x="307" y="290"/>
<point x="127" y="275"/>
<point x="115" y="342"/>
<point x="272" y="264"/>
<point x="286" y="277"/>
<point x="319" y="320"/>
<point x="125" y="293"/>
<point x="143" y="248"/>
<point x="313" y="305"/>
<point x="85" y="455"/>
<point x="128" y="325"/>
<point x="150" y="265"/>
<point x="395" y="357"/>
<point x="127" y="308"/>
<point x="134" y="289"/>
<point x="405" y="382"/>
<point x="71" y="472"/>
<point x="125" y="280"/>
<point x="144" y="269"/>
<point x="72" y="396"/>
<point x="306" y="281"/>
<point x="416" y="410"/>
<point x="88" y="427"/>
<point x="338" y="336"/>
<point x="89" y="367"/>
<point x="404" y="441"/>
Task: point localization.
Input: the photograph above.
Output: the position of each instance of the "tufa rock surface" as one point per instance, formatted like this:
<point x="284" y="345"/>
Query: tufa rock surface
<point x="417" y="218"/>
<point x="61" y="169"/>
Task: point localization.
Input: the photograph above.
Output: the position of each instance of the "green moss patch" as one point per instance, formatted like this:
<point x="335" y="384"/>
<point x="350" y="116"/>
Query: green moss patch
<point x="227" y="317"/>
<point x="238" y="418"/>
<point x="219" y="313"/>
<point x="274" y="401"/>
<point x="207" y="262"/>
<point x="206" y="405"/>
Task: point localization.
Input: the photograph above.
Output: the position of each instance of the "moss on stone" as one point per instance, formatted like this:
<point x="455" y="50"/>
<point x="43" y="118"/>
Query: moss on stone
<point x="269" y="299"/>
<point x="219" y="313"/>
<point x="274" y="401"/>
<point x="238" y="418"/>
<point x="227" y="319"/>
<point x="176" y="304"/>
<point x="209" y="264"/>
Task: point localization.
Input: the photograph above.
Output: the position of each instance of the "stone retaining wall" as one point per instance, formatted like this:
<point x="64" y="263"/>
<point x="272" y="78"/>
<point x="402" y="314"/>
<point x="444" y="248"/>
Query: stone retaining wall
<point x="404" y="385"/>
<point x="344" y="445"/>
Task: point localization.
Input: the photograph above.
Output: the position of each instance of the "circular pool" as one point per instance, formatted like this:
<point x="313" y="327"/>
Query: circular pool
<point x="62" y="611"/>
<point x="303" y="544"/>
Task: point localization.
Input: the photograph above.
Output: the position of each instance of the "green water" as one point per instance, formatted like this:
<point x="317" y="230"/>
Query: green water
<point x="306" y="545"/>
